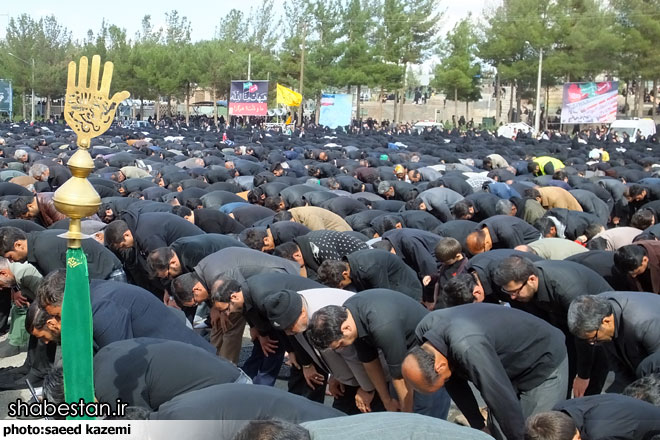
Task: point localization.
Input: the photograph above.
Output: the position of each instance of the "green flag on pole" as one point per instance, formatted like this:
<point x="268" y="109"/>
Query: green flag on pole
<point x="77" y="336"/>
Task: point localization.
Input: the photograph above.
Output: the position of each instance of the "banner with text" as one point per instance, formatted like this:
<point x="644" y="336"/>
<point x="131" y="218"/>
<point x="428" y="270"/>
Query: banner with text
<point x="336" y="110"/>
<point x="248" y="98"/>
<point x="5" y="96"/>
<point x="590" y="102"/>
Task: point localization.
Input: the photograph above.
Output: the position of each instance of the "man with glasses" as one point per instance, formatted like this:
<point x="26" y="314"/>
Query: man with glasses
<point x="628" y="326"/>
<point x="551" y="285"/>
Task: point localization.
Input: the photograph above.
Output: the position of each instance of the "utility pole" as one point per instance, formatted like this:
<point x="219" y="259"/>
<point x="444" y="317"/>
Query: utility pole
<point x="249" y="65"/>
<point x="537" y="111"/>
<point x="302" y="72"/>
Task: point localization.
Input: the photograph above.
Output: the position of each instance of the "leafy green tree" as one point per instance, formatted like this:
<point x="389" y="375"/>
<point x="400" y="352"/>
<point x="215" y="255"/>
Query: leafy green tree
<point x="358" y="60"/>
<point x="458" y="72"/>
<point x="21" y="41"/>
<point x="407" y="35"/>
<point x="638" y="27"/>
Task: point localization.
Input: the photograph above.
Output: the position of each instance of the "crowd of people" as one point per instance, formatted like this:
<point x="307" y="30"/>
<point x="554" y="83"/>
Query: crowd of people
<point x="395" y="272"/>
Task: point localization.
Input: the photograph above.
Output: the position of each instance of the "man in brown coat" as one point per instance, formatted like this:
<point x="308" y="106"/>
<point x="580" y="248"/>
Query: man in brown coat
<point x="555" y="197"/>
<point x="316" y="219"/>
<point x="641" y="261"/>
<point x="40" y="208"/>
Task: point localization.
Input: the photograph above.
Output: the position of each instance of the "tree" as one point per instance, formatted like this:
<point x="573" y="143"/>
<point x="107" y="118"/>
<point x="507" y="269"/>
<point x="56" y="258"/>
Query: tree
<point x="407" y="35"/>
<point x="321" y="72"/>
<point x="53" y="48"/>
<point x="638" y="27"/>
<point x="515" y="33"/>
<point x="21" y="40"/>
<point x="458" y="72"/>
<point x="358" y="59"/>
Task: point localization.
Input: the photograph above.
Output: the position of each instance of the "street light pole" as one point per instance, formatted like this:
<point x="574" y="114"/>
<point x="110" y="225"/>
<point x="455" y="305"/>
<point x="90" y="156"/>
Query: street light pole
<point x="249" y="65"/>
<point x="32" y="82"/>
<point x="32" y="117"/>
<point x="537" y="113"/>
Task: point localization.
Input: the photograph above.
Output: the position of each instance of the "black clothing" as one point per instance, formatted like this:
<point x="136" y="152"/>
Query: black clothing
<point x="576" y="222"/>
<point x="560" y="282"/>
<point x="24" y="225"/>
<point x="484" y="205"/>
<point x="419" y="220"/>
<point x="242" y="402"/>
<point x="635" y="348"/>
<point x="286" y="231"/>
<point x="508" y="232"/>
<point x="12" y="189"/>
<point x="362" y="220"/>
<point x="482" y="350"/>
<point x="248" y="215"/>
<point x="386" y="321"/>
<point x="148" y="372"/>
<point x="458" y="229"/>
<point x="152" y="230"/>
<point x="612" y="416"/>
<point x="344" y="206"/>
<point x="123" y="311"/>
<point x="376" y="268"/>
<point x="602" y="262"/>
<point x="259" y="286"/>
<point x="240" y="264"/>
<point x="215" y="199"/>
<point x="416" y="248"/>
<point x="191" y="250"/>
<point x="484" y="264"/>
<point x="214" y="221"/>
<point x="47" y="252"/>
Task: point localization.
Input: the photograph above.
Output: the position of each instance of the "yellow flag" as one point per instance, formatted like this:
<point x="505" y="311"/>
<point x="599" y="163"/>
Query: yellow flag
<point x="288" y="120"/>
<point x="288" y="97"/>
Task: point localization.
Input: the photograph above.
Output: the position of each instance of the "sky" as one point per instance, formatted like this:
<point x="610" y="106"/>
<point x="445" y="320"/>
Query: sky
<point x="80" y="15"/>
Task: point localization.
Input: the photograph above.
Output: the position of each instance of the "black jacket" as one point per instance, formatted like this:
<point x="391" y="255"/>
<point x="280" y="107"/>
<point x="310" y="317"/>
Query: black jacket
<point x="240" y="264"/>
<point x="602" y="262"/>
<point x="612" y="416"/>
<point x="242" y="402"/>
<point x="484" y="264"/>
<point x="191" y="250"/>
<point x="560" y="282"/>
<point x="484" y="205"/>
<point x="148" y="372"/>
<point x="416" y="248"/>
<point x="47" y="252"/>
<point x="124" y="311"/>
<point x="248" y="215"/>
<point x="478" y="343"/>
<point x="386" y="321"/>
<point x="214" y="221"/>
<point x="508" y="232"/>
<point x="344" y="206"/>
<point x="152" y="230"/>
<point x="592" y="204"/>
<point x="636" y="344"/>
<point x="419" y="220"/>
<point x="376" y="268"/>
<point x="284" y="232"/>
<point x="458" y="229"/>
<point x="576" y="222"/>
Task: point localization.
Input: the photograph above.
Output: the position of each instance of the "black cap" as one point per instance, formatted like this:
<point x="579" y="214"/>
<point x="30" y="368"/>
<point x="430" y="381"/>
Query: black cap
<point x="283" y="308"/>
